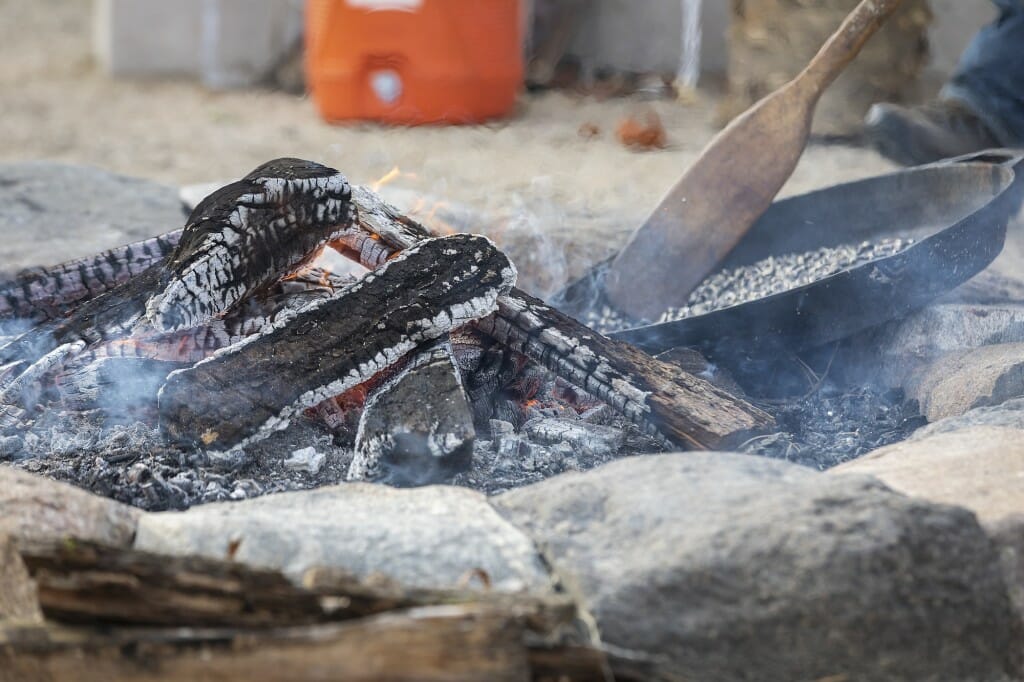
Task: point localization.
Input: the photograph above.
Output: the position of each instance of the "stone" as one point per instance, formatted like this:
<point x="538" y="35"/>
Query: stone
<point x="895" y="352"/>
<point x="978" y="467"/>
<point x="55" y="212"/>
<point x="431" y="537"/>
<point x="718" y="566"/>
<point x="962" y="380"/>
<point x="1009" y="414"/>
<point x="305" y="460"/>
<point x="37" y="508"/>
<point x="417" y="427"/>
<point x="18" y="597"/>
<point x="1008" y="534"/>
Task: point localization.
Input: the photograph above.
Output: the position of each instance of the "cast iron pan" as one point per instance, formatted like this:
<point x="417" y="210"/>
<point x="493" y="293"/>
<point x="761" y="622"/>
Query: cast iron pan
<point x="956" y="211"/>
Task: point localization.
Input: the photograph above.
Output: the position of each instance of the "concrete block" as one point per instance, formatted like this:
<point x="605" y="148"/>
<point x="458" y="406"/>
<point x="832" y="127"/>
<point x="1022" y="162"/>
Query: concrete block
<point x="225" y="43"/>
<point x="646" y="35"/>
<point x="148" y="37"/>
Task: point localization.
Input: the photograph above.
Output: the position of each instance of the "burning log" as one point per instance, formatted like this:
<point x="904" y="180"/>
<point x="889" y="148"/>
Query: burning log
<point x="239" y="240"/>
<point x="247" y="236"/>
<point x="255" y="388"/>
<point x="416" y="428"/>
<point x="663" y="398"/>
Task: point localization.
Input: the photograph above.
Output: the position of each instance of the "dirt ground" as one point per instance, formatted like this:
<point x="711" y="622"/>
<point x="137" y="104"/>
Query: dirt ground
<point x="56" y="104"/>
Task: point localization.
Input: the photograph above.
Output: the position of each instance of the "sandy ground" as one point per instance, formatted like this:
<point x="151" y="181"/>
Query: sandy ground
<point x="56" y="104"/>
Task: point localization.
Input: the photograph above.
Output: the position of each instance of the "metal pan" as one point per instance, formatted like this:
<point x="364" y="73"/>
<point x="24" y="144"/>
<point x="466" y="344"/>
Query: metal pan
<point x="956" y="211"/>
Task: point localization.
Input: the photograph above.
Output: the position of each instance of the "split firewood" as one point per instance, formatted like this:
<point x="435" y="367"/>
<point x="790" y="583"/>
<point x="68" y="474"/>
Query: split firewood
<point x="253" y="389"/>
<point x="417" y="427"/>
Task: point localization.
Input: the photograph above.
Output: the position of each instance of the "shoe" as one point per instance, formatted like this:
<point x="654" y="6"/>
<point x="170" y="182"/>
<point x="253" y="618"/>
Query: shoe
<point x="936" y="130"/>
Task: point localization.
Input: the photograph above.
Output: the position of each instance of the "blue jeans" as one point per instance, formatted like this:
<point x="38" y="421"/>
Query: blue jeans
<point x="990" y="75"/>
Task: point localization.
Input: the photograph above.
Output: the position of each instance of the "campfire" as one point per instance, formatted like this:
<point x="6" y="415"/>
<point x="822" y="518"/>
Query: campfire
<point x="209" y="340"/>
<point x="177" y="370"/>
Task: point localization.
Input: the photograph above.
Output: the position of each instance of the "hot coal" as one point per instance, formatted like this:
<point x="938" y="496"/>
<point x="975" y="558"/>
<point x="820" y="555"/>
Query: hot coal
<point x="772" y="275"/>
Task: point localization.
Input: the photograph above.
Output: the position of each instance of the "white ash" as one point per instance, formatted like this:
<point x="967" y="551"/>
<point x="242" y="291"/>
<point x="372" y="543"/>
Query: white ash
<point x="592" y="439"/>
<point x="307" y="460"/>
<point x="746" y="283"/>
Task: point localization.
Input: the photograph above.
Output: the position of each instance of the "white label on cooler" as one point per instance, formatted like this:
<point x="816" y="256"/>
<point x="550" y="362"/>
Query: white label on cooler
<point x="374" y="5"/>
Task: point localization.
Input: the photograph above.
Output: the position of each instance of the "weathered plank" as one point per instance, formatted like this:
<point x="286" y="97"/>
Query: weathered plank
<point x="442" y="643"/>
<point x="139" y="616"/>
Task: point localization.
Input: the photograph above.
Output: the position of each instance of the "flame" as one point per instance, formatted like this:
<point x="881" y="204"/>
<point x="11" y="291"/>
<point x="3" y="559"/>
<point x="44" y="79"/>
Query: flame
<point x="427" y="214"/>
<point x="385" y="179"/>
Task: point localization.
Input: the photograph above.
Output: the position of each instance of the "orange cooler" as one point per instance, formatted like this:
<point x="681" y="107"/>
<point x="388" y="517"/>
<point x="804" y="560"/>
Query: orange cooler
<point x="414" y="61"/>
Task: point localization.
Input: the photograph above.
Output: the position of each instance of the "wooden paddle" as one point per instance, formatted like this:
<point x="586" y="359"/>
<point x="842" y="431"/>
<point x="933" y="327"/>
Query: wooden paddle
<point x="732" y="182"/>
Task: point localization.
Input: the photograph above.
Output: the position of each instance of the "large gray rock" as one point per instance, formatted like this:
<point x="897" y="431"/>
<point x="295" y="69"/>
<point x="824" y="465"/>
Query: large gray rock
<point x="895" y="353"/>
<point x="54" y="212"/>
<point x="962" y="380"/>
<point x="1009" y="414"/>
<point x="433" y="537"/>
<point x="729" y="567"/>
<point x="978" y="467"/>
<point x="37" y="508"/>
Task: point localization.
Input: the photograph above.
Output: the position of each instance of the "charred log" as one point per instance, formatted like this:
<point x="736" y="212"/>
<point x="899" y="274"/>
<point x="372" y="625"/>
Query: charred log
<point x="255" y="388"/>
<point x="416" y="428"/>
<point x="107" y="316"/>
<point x="46" y="293"/>
<point x="239" y="241"/>
<point x="246" y="236"/>
<point x="124" y="388"/>
<point x="659" y="397"/>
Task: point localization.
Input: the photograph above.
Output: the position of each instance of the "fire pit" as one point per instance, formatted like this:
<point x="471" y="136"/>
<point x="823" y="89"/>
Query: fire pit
<point x="140" y="379"/>
<point x="178" y="370"/>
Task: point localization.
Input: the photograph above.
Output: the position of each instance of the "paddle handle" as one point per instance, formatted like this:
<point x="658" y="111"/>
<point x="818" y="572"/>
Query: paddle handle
<point x="844" y="45"/>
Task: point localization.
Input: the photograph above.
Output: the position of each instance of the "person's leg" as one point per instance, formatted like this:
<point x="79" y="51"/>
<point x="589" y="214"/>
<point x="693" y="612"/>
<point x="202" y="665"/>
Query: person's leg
<point x="981" y="106"/>
<point x="990" y="76"/>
